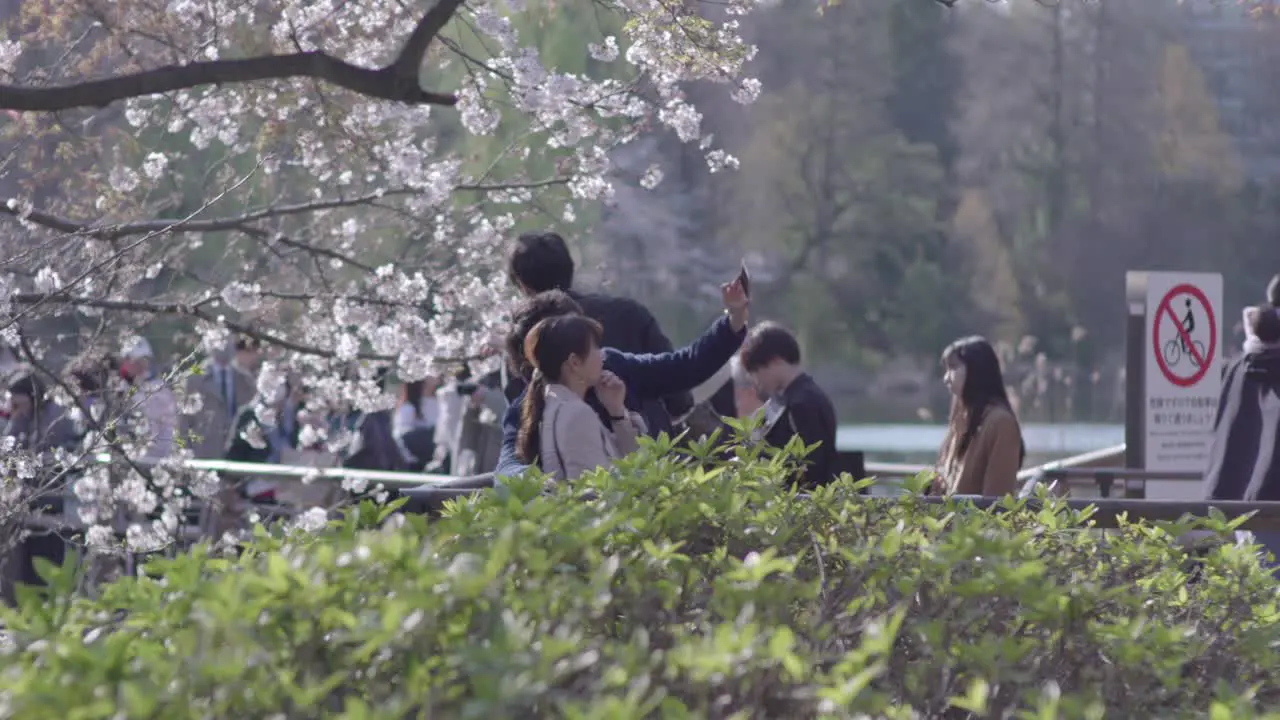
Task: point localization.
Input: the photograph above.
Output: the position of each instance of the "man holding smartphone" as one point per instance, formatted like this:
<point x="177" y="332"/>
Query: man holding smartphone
<point x="541" y="262"/>
<point x="646" y="376"/>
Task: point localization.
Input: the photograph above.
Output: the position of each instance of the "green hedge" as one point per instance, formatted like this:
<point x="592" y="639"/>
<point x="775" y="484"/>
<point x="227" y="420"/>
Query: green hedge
<point x="682" y="591"/>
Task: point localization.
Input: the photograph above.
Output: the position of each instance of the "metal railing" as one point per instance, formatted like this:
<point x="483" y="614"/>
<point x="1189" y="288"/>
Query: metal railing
<point x="299" y="472"/>
<point x="1102" y="457"/>
<point x="1091" y="459"/>
<point x="1097" y="467"/>
<point x="1092" y="466"/>
<point x="1075" y="468"/>
<point x="1108" y="513"/>
<point x="895" y="470"/>
<point x="426" y="492"/>
<point x="58" y="513"/>
<point x="1071" y="468"/>
<point x="1133" y="479"/>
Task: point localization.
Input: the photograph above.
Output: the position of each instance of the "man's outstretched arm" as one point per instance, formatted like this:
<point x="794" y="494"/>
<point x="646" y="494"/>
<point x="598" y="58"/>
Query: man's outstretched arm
<point x="655" y="342"/>
<point x="654" y="376"/>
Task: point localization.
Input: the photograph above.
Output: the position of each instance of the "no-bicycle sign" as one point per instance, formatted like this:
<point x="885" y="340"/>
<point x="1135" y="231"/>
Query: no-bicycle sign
<point x="1185" y="339"/>
<point x="1183" y="371"/>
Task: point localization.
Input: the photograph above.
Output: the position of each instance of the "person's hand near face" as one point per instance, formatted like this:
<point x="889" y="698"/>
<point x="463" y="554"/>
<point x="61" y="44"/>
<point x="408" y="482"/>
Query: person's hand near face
<point x="612" y="393"/>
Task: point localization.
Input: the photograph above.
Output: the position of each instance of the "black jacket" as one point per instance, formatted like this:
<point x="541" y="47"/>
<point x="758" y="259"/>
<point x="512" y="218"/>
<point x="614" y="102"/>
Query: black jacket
<point x="240" y="449"/>
<point x="809" y="414"/>
<point x="1243" y="461"/>
<point x="374" y="446"/>
<point x="630" y="328"/>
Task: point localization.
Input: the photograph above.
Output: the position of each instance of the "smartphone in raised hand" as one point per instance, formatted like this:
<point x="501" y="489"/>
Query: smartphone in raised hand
<point x="745" y="279"/>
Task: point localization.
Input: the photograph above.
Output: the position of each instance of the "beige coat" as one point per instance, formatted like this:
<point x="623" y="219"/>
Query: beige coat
<point x="574" y="441"/>
<point x="990" y="465"/>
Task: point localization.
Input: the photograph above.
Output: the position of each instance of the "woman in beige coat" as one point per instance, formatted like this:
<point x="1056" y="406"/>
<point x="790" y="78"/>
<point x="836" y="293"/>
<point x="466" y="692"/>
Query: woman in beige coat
<point x="559" y="429"/>
<point x="983" y="449"/>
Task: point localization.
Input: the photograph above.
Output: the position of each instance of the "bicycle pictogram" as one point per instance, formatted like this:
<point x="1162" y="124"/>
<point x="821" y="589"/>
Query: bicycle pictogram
<point x="1177" y="349"/>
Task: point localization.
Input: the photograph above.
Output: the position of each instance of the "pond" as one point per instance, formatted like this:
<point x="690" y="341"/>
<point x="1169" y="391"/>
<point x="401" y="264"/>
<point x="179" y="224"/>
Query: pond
<point x="920" y="443"/>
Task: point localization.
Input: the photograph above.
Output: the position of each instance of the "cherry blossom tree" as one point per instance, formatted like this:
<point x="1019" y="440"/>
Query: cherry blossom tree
<point x="305" y="173"/>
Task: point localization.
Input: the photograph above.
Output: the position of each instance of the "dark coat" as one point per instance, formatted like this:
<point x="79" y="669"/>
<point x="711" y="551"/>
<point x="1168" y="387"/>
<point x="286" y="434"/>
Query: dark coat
<point x="374" y="446"/>
<point x="239" y="449"/>
<point x="1243" y="464"/>
<point x="808" y="413"/>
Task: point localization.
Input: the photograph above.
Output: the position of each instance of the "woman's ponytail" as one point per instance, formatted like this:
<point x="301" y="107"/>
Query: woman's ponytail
<point x="529" y="440"/>
<point x="530" y="437"/>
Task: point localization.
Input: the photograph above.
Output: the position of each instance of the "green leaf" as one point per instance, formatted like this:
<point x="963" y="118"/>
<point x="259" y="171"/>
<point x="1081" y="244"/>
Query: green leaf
<point x="975" y="700"/>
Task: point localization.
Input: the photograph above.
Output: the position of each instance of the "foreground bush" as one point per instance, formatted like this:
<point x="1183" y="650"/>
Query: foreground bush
<point x="679" y="592"/>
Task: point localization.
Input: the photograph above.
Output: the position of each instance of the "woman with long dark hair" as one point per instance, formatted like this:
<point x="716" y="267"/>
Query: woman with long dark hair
<point x="983" y="449"/>
<point x="559" y="430"/>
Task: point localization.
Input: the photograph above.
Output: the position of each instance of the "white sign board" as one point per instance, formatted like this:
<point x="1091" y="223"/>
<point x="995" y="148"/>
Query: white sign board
<point x="1183" y="377"/>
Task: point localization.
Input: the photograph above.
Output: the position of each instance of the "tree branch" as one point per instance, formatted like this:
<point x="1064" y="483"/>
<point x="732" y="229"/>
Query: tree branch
<point x="317" y="250"/>
<point x="408" y="63"/>
<point x="194" y="311"/>
<point x="238" y="222"/>
<point x="187" y="309"/>
<point x="338" y="297"/>
<point x="396" y="81"/>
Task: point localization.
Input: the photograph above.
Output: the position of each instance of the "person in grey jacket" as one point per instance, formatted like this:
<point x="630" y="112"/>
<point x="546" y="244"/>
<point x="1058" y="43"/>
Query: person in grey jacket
<point x="224" y="387"/>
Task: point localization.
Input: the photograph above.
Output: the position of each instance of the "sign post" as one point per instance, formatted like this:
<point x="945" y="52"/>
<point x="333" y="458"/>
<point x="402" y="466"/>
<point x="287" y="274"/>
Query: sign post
<point x="1179" y="375"/>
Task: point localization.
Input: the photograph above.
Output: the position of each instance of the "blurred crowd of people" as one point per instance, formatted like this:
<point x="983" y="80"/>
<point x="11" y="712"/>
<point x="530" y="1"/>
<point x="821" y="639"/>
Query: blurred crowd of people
<point x="439" y="425"/>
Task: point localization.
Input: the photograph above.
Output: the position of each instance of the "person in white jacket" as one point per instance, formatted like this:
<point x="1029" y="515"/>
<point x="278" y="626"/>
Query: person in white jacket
<point x="150" y="400"/>
<point x="414" y="424"/>
<point x="451" y="405"/>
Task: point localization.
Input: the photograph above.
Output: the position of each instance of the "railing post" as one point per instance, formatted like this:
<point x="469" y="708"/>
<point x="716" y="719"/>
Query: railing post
<point x="1136" y="347"/>
<point x="1105" y="481"/>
